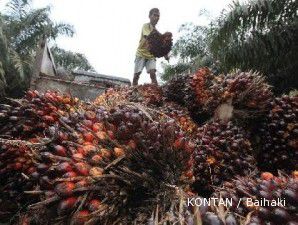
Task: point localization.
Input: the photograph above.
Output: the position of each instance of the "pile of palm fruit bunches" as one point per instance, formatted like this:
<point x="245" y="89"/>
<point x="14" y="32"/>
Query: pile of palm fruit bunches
<point x="200" y="150"/>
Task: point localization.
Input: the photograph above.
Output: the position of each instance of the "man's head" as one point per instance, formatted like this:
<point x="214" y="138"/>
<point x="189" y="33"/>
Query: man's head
<point x="154" y="16"/>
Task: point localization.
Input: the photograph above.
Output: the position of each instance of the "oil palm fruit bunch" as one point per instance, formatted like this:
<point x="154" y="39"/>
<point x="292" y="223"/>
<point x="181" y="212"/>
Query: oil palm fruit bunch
<point x="268" y="199"/>
<point x="224" y="151"/>
<point x="147" y="94"/>
<point x="16" y="161"/>
<point x="181" y="116"/>
<point x="278" y="136"/>
<point x="174" y="89"/>
<point x="249" y="92"/>
<point x="131" y="169"/>
<point x="160" y="44"/>
<point x="202" y="94"/>
<point x="30" y="116"/>
<point x="148" y="175"/>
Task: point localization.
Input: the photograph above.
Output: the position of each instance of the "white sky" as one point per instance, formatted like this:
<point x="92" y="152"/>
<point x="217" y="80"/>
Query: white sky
<point x="108" y="31"/>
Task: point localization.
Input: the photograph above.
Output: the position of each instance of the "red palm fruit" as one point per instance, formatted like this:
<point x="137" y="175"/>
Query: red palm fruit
<point x="30" y="170"/>
<point x="53" y="108"/>
<point x="111" y="134"/>
<point x="89" y="149"/>
<point x="118" y="152"/>
<point x="49" y="96"/>
<point x="81" y="217"/>
<point x="179" y="143"/>
<point x="132" y="144"/>
<point x="266" y="176"/>
<point x="190" y="146"/>
<point x="62" y="136"/>
<point x="101" y="135"/>
<point x="189" y="174"/>
<point x="78" y="156"/>
<point x="82" y="168"/>
<point x="64" y="167"/>
<point x="21" y="160"/>
<point x="66" y="100"/>
<point x="80" y="149"/>
<point x="30" y="94"/>
<point x="48" y="119"/>
<point x="90" y="115"/>
<point x="33" y="140"/>
<point x="66" y="205"/>
<point x="81" y="183"/>
<point x="17" y="166"/>
<point x="60" y="150"/>
<point x="70" y="174"/>
<point x="105" y="153"/>
<point x="96" y="171"/>
<point x="88" y="123"/>
<point x="40" y="112"/>
<point x="24" y="220"/>
<point x="94" y="205"/>
<point x="97" y="127"/>
<point x="59" y="99"/>
<point x="96" y="159"/>
<point x="87" y="143"/>
<point x="88" y="137"/>
<point x="65" y="189"/>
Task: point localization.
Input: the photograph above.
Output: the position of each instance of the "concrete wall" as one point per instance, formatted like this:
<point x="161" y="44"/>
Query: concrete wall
<point x="84" y="92"/>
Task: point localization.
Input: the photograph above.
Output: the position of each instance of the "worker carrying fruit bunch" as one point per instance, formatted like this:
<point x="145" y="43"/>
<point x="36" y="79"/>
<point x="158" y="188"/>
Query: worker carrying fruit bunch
<point x="144" y="58"/>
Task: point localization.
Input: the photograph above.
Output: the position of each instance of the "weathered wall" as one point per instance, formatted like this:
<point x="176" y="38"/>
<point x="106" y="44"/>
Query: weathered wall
<point x="84" y="92"/>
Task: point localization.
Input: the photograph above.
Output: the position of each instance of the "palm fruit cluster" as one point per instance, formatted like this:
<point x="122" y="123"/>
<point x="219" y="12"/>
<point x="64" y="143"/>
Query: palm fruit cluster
<point x="147" y="94"/>
<point x="174" y="89"/>
<point x="160" y="44"/>
<point x="278" y="136"/>
<point x="180" y="115"/>
<point x="58" y="173"/>
<point x="224" y="151"/>
<point x="249" y="92"/>
<point x="267" y="199"/>
<point x="203" y="93"/>
<point x="30" y="116"/>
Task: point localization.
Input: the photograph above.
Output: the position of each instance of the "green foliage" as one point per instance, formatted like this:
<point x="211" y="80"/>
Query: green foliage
<point x="21" y="29"/>
<point x="260" y="35"/>
<point x="191" y="50"/>
<point x="192" y="43"/>
<point x="172" y="70"/>
<point x="70" y="60"/>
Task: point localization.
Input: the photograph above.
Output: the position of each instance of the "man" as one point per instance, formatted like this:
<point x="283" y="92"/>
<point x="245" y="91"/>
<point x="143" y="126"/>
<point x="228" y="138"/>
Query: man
<point x="143" y="57"/>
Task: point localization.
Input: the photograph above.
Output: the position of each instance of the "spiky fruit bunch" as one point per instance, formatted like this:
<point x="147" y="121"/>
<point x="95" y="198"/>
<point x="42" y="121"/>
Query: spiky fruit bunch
<point x="249" y="92"/>
<point x="246" y="93"/>
<point x="269" y="199"/>
<point x="224" y="151"/>
<point x="160" y="44"/>
<point x="174" y="89"/>
<point x="57" y="173"/>
<point x="203" y="94"/>
<point x="146" y="174"/>
<point x="199" y="92"/>
<point x="147" y="94"/>
<point x="278" y="136"/>
<point x="180" y="115"/>
<point x="30" y="116"/>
